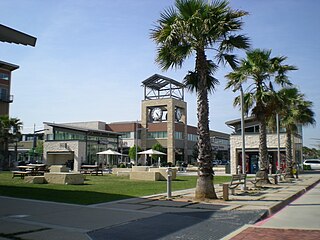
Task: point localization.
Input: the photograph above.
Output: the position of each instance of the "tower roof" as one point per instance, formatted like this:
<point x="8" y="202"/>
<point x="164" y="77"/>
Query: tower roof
<point x="158" y="81"/>
<point x="159" y="87"/>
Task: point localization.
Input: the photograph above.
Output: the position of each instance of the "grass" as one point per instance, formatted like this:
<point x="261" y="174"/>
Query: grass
<point x="96" y="189"/>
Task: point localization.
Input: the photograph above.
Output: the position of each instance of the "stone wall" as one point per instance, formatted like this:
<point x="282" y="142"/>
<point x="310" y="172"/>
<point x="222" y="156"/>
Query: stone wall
<point x="77" y="149"/>
<point x="251" y="143"/>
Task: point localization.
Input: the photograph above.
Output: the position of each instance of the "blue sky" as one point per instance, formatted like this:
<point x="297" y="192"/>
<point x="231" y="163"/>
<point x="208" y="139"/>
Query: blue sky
<point x="91" y="57"/>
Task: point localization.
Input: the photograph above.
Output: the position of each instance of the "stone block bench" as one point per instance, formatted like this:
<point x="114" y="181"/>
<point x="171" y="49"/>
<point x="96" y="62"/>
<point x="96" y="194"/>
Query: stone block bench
<point x="64" y="178"/>
<point x="35" y="179"/>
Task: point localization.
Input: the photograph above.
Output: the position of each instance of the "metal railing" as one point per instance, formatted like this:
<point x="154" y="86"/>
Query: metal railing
<point x="6" y="98"/>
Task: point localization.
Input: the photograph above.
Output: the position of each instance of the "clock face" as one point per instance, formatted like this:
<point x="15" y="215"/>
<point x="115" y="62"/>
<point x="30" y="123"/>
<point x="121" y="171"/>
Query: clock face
<point x="178" y="114"/>
<point x="156" y="114"/>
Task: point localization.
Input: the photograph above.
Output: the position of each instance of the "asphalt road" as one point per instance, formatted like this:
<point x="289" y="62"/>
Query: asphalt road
<point x="202" y="225"/>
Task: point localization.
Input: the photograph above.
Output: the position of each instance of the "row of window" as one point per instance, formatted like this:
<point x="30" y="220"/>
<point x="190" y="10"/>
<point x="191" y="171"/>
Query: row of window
<point x="256" y="129"/>
<point x="70" y="135"/>
<point x="157" y="135"/>
<point x="219" y="141"/>
<point x="163" y="134"/>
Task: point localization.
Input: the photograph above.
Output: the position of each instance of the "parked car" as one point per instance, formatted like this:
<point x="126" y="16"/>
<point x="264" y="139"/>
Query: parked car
<point x="313" y="163"/>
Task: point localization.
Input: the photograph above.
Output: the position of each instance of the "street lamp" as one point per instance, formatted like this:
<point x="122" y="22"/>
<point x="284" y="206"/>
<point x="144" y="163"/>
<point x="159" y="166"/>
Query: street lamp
<point x="278" y="134"/>
<point x="137" y="129"/>
<point x="243" y="136"/>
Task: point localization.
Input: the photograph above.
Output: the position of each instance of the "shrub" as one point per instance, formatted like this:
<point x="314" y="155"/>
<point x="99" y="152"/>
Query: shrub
<point x="306" y="167"/>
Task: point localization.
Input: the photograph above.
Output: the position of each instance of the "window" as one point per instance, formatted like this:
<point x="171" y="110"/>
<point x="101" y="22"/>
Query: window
<point x="64" y="135"/>
<point x="3" y="94"/>
<point x="192" y="137"/>
<point x="125" y="134"/>
<point x="157" y="134"/>
<point x="219" y="141"/>
<point x="178" y="135"/>
<point x="4" y="76"/>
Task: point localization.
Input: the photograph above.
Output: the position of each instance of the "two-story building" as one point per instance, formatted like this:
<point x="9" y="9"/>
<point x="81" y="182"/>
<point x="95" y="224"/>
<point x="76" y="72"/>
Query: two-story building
<point x="252" y="145"/>
<point x="5" y="86"/>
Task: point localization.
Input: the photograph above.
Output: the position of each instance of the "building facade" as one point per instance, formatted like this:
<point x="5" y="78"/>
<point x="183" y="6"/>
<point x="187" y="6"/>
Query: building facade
<point x="252" y="146"/>
<point x="163" y="121"/>
<point x="75" y="144"/>
<point x="5" y="86"/>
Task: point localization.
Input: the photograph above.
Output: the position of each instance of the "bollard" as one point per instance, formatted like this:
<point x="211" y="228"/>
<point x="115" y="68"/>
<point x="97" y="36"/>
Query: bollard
<point x="169" y="172"/>
<point x="238" y="169"/>
<point x="225" y="191"/>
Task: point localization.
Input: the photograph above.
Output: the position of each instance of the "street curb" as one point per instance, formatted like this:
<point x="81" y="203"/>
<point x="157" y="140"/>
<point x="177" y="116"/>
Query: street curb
<point x="236" y="232"/>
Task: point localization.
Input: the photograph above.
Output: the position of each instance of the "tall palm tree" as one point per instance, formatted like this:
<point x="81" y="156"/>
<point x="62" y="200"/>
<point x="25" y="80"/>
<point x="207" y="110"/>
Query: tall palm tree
<point x="10" y="130"/>
<point x="262" y="72"/>
<point x="294" y="110"/>
<point x="200" y="28"/>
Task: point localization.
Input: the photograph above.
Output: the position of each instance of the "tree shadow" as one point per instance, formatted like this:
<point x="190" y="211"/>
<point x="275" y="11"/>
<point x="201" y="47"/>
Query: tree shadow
<point x="58" y="195"/>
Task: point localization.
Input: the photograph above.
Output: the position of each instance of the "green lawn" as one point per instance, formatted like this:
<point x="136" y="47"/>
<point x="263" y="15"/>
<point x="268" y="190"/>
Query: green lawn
<point x="96" y="189"/>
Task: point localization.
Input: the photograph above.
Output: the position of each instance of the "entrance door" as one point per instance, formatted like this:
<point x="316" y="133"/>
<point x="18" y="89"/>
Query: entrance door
<point x="254" y="163"/>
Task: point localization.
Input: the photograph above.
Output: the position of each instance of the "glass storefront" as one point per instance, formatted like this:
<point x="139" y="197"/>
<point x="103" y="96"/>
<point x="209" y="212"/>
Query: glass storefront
<point x="96" y="141"/>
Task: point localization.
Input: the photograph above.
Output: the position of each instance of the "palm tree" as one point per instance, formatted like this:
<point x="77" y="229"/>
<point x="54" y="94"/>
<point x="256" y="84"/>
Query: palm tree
<point x="198" y="28"/>
<point x="294" y="110"/>
<point x="10" y="130"/>
<point x="261" y="71"/>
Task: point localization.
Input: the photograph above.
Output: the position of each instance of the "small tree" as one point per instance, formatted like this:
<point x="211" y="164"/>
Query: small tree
<point x="158" y="147"/>
<point x="9" y="131"/>
<point x="39" y="149"/>
<point x="132" y="152"/>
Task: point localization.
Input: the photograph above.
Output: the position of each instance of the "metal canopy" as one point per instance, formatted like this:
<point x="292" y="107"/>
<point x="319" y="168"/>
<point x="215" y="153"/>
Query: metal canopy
<point x="159" y="87"/>
<point x="13" y="36"/>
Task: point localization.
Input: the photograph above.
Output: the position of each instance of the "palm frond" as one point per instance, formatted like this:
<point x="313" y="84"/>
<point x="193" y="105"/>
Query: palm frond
<point x="192" y="79"/>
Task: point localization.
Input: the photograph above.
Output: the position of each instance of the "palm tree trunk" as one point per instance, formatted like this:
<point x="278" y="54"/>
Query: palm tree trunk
<point x="205" y="187"/>
<point x="289" y="168"/>
<point x="263" y="150"/>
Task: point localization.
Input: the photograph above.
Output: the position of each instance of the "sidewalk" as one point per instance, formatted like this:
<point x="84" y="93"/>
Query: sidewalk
<point x="150" y="217"/>
<point x="298" y="220"/>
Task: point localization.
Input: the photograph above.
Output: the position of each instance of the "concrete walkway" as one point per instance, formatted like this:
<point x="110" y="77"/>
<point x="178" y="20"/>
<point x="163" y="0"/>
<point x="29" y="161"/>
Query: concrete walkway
<point x="150" y="217"/>
<point x="299" y="220"/>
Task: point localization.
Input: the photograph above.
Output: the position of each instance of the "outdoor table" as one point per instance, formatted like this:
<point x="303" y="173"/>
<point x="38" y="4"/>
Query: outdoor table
<point x="30" y="169"/>
<point x="86" y="169"/>
<point x="34" y="169"/>
<point x="27" y="167"/>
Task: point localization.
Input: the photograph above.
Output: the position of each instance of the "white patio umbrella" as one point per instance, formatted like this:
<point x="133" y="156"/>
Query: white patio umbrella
<point x="152" y="152"/>
<point x="109" y="152"/>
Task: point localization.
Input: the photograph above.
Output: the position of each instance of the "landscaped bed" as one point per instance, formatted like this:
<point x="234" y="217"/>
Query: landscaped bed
<point x="96" y="189"/>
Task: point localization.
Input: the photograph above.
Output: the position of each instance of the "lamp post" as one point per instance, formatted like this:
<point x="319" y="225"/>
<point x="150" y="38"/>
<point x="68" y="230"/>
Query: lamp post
<point x="243" y="135"/>
<point x="137" y="129"/>
<point x="242" y="132"/>
<point x="278" y="134"/>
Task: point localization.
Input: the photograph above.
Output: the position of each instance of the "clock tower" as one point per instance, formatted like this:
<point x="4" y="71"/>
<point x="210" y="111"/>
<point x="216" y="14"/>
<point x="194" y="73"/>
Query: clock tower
<point x="164" y="117"/>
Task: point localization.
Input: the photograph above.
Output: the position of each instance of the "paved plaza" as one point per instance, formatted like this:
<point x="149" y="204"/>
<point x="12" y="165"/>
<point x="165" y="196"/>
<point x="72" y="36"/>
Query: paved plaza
<point x="154" y="217"/>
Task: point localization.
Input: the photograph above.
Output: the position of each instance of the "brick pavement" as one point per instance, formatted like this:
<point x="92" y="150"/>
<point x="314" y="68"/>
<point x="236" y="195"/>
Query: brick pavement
<point x="253" y="233"/>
